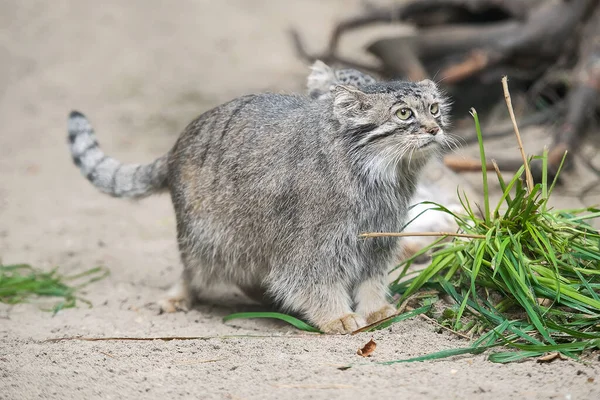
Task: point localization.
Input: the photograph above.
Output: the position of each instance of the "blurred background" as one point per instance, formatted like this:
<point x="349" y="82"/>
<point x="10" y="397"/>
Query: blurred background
<point x="141" y="70"/>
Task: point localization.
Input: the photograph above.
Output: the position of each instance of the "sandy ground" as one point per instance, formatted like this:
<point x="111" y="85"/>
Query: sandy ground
<point x="142" y="70"/>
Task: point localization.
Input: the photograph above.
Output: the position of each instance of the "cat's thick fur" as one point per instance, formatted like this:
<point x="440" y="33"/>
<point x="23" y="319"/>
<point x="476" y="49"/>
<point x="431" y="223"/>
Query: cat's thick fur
<point x="422" y="216"/>
<point x="271" y="192"/>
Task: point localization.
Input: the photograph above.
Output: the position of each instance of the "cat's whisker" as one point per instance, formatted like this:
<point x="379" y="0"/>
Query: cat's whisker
<point x="451" y="142"/>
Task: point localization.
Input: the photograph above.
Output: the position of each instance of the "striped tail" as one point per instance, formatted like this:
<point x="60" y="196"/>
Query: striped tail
<point x="106" y="173"/>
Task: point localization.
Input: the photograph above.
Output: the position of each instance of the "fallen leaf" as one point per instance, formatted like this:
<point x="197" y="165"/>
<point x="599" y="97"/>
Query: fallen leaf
<point x="367" y="349"/>
<point x="550" y="357"/>
<point x="542" y="301"/>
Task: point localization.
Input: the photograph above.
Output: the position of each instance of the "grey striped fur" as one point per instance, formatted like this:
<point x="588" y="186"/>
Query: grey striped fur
<point x="271" y="192"/>
<point x="106" y="173"/>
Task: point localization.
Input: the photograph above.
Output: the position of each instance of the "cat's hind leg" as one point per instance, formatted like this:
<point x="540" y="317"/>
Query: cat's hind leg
<point x="177" y="298"/>
<point x="182" y="294"/>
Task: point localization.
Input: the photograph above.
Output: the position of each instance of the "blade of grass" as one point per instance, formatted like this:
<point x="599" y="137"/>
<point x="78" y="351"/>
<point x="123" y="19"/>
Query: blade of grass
<point x="512" y="356"/>
<point x="486" y="198"/>
<point x="21" y="283"/>
<point x="303" y="326"/>
<point x="545" y="177"/>
<point x="555" y="180"/>
<point x="441" y="354"/>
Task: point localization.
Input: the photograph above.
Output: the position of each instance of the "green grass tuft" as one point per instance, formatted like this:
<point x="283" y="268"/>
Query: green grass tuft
<point x="21" y="283"/>
<point x="533" y="283"/>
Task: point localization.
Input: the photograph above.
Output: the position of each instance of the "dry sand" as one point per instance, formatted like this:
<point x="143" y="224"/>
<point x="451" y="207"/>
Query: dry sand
<point x="142" y="70"/>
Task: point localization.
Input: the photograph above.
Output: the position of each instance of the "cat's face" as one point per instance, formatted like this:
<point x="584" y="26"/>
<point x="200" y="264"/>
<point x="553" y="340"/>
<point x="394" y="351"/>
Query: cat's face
<point x="398" y="120"/>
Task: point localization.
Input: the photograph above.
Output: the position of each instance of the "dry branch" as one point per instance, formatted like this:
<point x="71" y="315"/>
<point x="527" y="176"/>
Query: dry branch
<point x="408" y="234"/>
<point x="550" y="49"/>
<point x="466" y="164"/>
<point x="538" y="40"/>
<point x="583" y="98"/>
<point x="169" y="338"/>
<point x="445" y="41"/>
<point x="421" y="13"/>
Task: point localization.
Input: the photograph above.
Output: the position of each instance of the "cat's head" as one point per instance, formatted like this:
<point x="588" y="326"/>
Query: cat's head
<point x="394" y="120"/>
<point x="393" y="128"/>
<point x="414" y="114"/>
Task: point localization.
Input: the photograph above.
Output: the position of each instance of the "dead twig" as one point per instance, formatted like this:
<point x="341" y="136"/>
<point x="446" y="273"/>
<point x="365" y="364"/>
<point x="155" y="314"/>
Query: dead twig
<point x="407" y="234"/>
<point x="169" y="338"/>
<point x="528" y="176"/>
<point x="464" y="164"/>
<point x="433" y="321"/>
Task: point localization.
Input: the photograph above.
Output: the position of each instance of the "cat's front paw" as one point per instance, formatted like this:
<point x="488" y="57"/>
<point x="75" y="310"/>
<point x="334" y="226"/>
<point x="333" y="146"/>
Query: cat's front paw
<point x="386" y="311"/>
<point x="347" y="324"/>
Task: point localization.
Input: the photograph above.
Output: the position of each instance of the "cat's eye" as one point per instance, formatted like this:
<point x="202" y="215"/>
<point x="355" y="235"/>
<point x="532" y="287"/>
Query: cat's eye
<point x="404" y="113"/>
<point x="434" y="108"/>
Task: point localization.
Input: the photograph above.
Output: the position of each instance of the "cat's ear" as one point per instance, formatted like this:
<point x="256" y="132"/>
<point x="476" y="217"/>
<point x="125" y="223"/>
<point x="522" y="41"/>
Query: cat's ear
<point x="348" y="101"/>
<point x="320" y="79"/>
<point x="428" y="82"/>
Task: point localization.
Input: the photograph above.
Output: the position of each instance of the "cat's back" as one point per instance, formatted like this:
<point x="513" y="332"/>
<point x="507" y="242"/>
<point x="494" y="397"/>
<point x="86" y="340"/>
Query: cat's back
<point x="260" y="160"/>
<point x="255" y="140"/>
<point x="246" y="120"/>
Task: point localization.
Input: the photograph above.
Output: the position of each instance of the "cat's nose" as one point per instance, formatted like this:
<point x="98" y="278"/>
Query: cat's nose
<point x="433" y="130"/>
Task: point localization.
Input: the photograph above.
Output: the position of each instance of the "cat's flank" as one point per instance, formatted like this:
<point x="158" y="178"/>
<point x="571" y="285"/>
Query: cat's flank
<point x="272" y="191"/>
